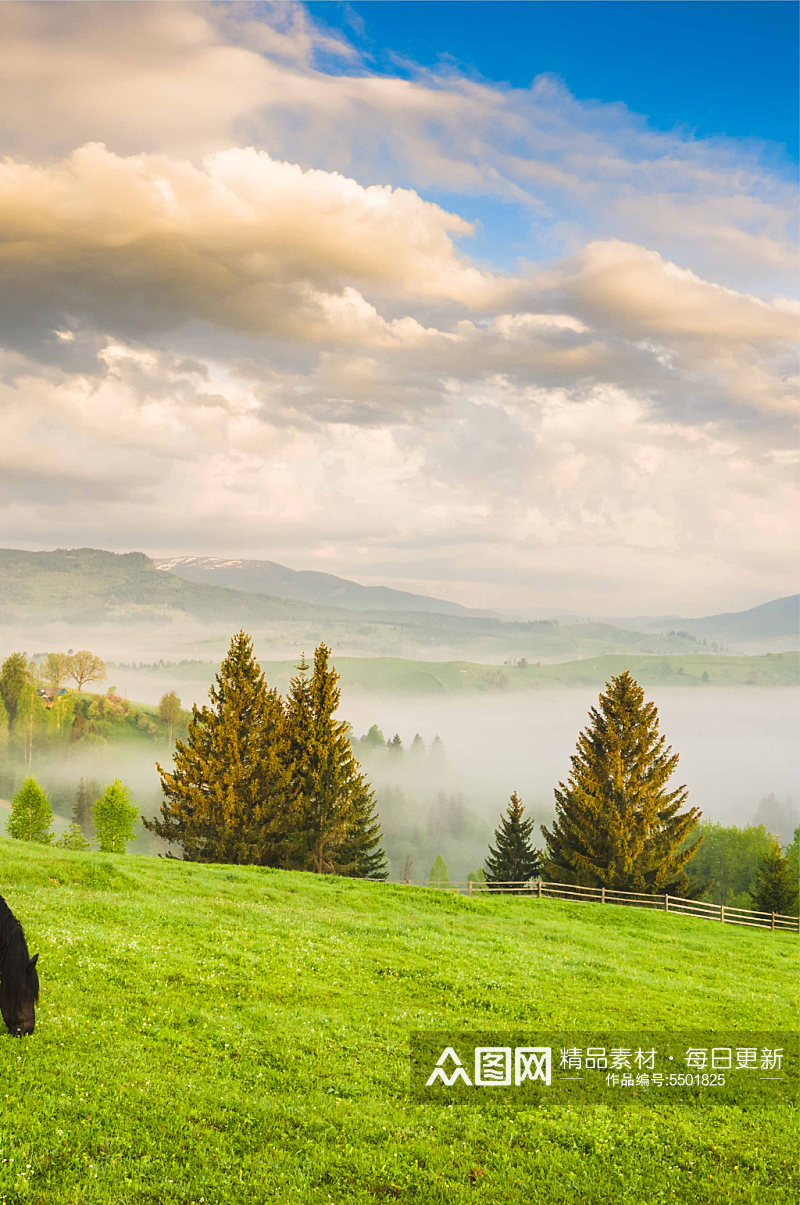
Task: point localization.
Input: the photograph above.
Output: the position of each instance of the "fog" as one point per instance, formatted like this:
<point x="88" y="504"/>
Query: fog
<point x="736" y="746"/>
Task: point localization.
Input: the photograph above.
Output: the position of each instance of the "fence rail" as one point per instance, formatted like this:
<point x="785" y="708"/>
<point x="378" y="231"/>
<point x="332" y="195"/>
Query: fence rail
<point x="636" y="899"/>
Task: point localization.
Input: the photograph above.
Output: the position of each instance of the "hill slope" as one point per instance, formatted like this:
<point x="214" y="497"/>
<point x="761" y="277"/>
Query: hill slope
<point x="235" y="1034"/>
<point x="772" y="622"/>
<point x="91" y="585"/>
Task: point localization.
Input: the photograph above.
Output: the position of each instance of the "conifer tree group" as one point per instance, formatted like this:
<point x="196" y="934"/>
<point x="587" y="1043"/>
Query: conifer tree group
<point x="271" y="782"/>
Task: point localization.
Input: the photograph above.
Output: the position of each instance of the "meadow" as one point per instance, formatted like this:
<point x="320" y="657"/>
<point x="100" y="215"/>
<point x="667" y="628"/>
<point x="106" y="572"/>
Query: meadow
<point x="401" y="676"/>
<point x="214" y="1034"/>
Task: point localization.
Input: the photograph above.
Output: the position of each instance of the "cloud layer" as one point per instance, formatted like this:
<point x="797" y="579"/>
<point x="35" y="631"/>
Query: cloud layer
<point x="230" y="307"/>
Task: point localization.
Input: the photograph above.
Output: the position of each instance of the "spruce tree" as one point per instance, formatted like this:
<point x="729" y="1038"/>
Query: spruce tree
<point x="88" y="791"/>
<point x="226" y="798"/>
<point x="774" y="889"/>
<point x="617" y="823"/>
<point x="31" y="814"/>
<point x="361" y="855"/>
<point x="333" y="827"/>
<point x="514" y="860"/>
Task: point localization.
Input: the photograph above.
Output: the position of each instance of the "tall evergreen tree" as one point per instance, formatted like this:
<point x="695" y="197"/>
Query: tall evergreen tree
<point x="226" y="798"/>
<point x="617" y="824"/>
<point x="437" y="759"/>
<point x="31" y="814"/>
<point x="775" y="889"/>
<point x="514" y="860"/>
<point x="82" y="809"/>
<point x="361" y="855"/>
<point x="333" y="825"/>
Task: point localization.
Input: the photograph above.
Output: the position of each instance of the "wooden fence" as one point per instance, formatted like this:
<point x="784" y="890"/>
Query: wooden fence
<point x="636" y="899"/>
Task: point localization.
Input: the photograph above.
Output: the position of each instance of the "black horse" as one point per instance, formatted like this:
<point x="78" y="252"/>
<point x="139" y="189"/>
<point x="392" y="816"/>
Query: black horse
<point x="19" y="980"/>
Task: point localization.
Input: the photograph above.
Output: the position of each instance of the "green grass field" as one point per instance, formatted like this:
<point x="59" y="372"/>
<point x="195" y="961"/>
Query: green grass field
<point x="216" y="1034"/>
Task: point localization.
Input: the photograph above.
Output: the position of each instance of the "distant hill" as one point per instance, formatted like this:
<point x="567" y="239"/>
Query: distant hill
<point x="776" y="623"/>
<point x="323" y="589"/>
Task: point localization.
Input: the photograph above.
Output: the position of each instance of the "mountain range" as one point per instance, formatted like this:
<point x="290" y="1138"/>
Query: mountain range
<point x="121" y="602"/>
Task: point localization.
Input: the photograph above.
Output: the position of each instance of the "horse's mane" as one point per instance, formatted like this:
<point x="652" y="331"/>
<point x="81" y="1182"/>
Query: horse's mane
<point x="14" y="956"/>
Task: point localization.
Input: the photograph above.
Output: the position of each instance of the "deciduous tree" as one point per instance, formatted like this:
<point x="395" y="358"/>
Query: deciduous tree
<point x="439" y="872"/>
<point x="14" y="675"/>
<point x="55" y="670"/>
<point x="31" y="814"/>
<point x="86" y="667"/>
<point x="617" y="822"/>
<point x="169" y="708"/>
<point x="29" y="721"/>
<point x="114" y="818"/>
<point x="59" y="721"/>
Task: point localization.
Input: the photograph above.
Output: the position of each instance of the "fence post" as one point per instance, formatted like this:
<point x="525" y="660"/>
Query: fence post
<point x="666" y="903"/>
<point x="602" y="895"/>
<point x="540" y="888"/>
<point x="773" y="920"/>
<point x="470" y="887"/>
<point x="722" y="913"/>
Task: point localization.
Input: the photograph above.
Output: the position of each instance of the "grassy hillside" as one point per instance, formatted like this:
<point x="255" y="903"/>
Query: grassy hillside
<point x="396" y="675"/>
<point x="235" y="1035"/>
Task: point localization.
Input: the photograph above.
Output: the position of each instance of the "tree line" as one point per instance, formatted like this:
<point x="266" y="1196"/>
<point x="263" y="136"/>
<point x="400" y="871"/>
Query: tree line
<point x="107" y="817"/>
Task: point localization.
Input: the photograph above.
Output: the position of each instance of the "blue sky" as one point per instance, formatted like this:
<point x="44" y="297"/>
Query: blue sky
<point x="710" y="67"/>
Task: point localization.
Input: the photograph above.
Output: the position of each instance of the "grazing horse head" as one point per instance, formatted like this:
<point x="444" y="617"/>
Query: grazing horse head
<point x="19" y="979"/>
